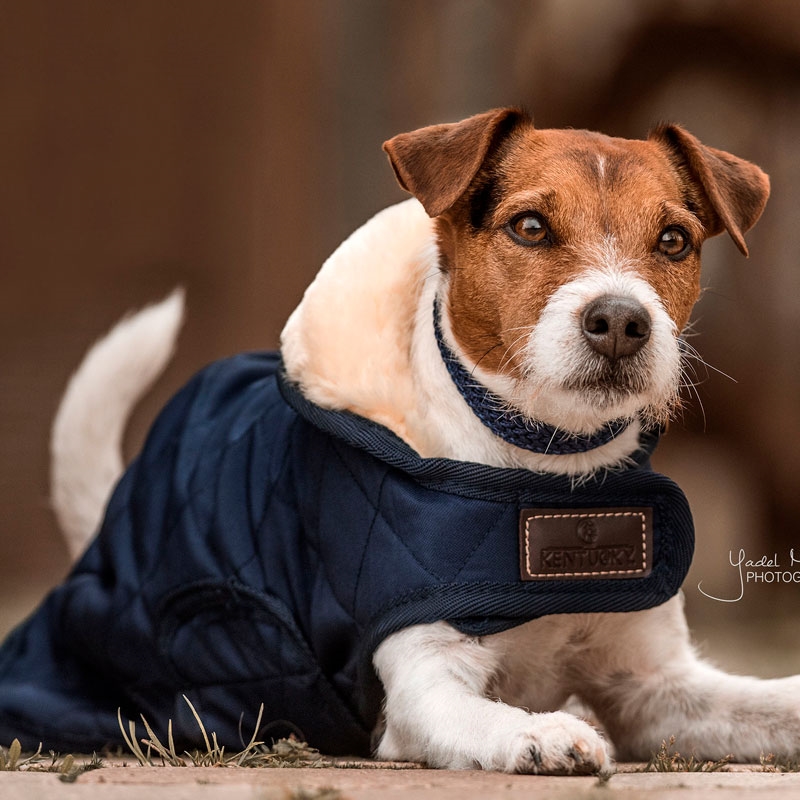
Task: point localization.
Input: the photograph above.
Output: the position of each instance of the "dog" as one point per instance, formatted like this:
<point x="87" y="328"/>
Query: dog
<point x="508" y="338"/>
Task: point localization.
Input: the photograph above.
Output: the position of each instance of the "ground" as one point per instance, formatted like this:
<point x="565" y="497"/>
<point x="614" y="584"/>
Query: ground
<point x="116" y="782"/>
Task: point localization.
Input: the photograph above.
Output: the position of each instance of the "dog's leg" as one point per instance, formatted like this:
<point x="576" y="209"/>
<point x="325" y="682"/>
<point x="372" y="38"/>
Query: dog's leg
<point x="437" y="711"/>
<point x="645" y="682"/>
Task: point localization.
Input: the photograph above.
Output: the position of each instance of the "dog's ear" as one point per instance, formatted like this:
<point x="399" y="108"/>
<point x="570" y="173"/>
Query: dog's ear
<point x="726" y="192"/>
<point x="436" y="164"/>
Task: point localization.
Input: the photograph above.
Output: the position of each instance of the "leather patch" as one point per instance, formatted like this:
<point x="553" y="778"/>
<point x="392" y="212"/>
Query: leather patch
<point x="585" y="543"/>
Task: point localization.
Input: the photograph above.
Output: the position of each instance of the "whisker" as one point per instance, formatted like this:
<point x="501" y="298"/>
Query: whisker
<point x="693" y="390"/>
<point x="493" y="347"/>
<point x="690" y="352"/>
<point x="555" y="431"/>
<point x="511" y="353"/>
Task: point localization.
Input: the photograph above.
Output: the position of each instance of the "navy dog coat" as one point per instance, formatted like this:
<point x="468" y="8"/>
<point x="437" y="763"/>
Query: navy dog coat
<point x="260" y="548"/>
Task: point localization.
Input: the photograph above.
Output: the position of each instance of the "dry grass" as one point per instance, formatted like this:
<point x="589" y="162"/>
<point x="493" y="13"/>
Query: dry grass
<point x="284" y="753"/>
<point x="775" y="763"/>
<point x="11" y="760"/>
<point x="667" y="759"/>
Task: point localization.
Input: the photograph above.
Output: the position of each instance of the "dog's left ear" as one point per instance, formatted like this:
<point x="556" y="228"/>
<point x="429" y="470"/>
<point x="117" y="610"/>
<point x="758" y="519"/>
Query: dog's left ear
<point x="436" y="164"/>
<point x="727" y="192"/>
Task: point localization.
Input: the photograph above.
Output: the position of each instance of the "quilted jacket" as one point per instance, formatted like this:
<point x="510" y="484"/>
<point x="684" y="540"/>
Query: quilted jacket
<point x="260" y="548"/>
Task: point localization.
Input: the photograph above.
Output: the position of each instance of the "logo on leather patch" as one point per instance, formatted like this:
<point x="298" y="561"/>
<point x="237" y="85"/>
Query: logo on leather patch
<point x="585" y="543"/>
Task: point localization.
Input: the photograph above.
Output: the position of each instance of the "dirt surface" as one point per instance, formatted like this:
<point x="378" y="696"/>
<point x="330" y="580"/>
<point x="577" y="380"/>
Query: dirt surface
<point x="116" y="782"/>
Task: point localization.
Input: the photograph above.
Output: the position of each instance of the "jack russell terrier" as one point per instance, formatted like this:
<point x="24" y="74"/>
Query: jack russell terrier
<point x="431" y="520"/>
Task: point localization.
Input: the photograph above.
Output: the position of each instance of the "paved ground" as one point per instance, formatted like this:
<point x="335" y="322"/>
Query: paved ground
<point x="199" y="783"/>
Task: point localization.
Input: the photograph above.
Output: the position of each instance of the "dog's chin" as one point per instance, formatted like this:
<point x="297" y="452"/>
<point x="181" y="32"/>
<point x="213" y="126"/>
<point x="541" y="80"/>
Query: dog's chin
<point x="611" y="388"/>
<point x="608" y="403"/>
<point x="596" y="396"/>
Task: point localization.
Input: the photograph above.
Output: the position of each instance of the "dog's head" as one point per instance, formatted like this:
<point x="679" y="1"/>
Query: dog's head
<point x="573" y="258"/>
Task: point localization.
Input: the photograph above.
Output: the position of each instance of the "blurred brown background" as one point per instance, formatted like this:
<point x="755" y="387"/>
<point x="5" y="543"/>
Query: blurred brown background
<point x="229" y="146"/>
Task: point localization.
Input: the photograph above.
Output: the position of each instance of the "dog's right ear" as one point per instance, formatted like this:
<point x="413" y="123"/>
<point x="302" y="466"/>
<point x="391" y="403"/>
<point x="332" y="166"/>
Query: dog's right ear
<point x="436" y="164"/>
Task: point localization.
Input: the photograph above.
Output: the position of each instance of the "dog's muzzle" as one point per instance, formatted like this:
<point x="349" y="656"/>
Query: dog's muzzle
<point x="512" y="426"/>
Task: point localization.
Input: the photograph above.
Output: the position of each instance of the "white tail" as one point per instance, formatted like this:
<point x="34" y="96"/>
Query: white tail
<point x="86" y="440"/>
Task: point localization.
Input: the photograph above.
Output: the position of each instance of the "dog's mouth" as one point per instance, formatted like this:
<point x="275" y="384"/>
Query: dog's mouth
<point x="624" y="387"/>
<point x="596" y="391"/>
<point x="606" y="382"/>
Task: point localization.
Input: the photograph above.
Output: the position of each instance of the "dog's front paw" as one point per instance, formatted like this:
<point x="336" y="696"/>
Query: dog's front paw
<point x="558" y="743"/>
<point x="514" y="741"/>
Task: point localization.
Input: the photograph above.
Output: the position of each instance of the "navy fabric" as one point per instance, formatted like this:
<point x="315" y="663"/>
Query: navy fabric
<point x="259" y="550"/>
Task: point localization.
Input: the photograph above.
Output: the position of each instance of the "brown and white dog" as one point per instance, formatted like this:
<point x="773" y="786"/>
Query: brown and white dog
<point x="567" y="264"/>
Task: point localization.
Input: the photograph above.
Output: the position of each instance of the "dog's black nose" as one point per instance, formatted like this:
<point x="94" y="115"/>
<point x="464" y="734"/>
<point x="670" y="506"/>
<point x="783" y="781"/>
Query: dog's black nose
<point x="616" y="326"/>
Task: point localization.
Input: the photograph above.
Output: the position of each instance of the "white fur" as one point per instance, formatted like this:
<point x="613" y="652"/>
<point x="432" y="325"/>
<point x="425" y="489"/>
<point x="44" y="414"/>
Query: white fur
<point x="86" y="439"/>
<point x="347" y="343"/>
<point x="362" y="339"/>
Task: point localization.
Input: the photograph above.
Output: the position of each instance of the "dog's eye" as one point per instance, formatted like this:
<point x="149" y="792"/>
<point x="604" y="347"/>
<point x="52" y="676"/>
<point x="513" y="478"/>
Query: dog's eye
<point x="528" y="229"/>
<point x="674" y="243"/>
